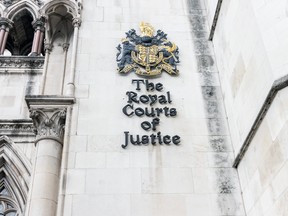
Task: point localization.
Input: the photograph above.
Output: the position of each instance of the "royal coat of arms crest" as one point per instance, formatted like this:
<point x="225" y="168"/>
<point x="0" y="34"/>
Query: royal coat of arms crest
<point x="148" y="54"/>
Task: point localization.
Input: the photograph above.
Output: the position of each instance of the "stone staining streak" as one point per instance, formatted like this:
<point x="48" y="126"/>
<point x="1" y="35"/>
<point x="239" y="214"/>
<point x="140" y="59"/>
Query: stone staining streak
<point x="205" y="63"/>
<point x="212" y="109"/>
<point x="49" y="123"/>
<point x="218" y="144"/>
<point x="226" y="185"/>
<point x="226" y="182"/>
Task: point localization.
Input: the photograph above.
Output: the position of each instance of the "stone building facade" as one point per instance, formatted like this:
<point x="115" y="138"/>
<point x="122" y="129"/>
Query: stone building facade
<point x="71" y="125"/>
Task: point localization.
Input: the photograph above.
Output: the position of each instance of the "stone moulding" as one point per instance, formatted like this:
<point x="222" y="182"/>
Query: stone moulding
<point x="48" y="100"/>
<point x="215" y="19"/>
<point x="49" y="123"/>
<point x="19" y="127"/>
<point x="277" y="86"/>
<point x="17" y="169"/>
<point x="20" y="63"/>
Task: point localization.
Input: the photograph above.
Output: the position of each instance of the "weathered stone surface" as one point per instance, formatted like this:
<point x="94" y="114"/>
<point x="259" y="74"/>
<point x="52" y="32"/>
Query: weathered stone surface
<point x="193" y="178"/>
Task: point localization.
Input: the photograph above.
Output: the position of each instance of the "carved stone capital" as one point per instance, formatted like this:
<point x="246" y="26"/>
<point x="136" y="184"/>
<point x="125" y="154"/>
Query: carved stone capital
<point x="48" y="113"/>
<point x="76" y="22"/>
<point x="48" y="47"/>
<point x="5" y="23"/>
<point x="65" y="46"/>
<point x="49" y="123"/>
<point x="39" y="24"/>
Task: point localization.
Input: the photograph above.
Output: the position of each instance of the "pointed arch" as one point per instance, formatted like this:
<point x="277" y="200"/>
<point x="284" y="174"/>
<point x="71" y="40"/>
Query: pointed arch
<point x="21" y="36"/>
<point x="15" y="172"/>
<point x="60" y="15"/>
<point x="23" y="5"/>
<point x="50" y="7"/>
<point x="62" y="29"/>
<point x="54" y="14"/>
<point x="2" y="8"/>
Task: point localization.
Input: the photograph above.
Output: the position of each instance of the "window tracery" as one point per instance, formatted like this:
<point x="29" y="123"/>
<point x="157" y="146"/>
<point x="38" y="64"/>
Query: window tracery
<point x="14" y="177"/>
<point x="8" y="206"/>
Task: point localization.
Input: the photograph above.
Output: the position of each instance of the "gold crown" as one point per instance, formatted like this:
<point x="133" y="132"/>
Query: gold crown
<point x="124" y="39"/>
<point x="146" y="29"/>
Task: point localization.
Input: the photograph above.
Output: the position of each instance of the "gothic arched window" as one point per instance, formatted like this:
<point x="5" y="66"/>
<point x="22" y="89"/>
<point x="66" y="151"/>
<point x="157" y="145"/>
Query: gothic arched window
<point x="21" y="36"/>
<point x="8" y="207"/>
<point x="14" y="177"/>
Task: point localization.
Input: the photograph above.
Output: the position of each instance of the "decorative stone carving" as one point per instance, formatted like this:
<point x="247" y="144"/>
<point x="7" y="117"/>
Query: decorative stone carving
<point x="39" y="24"/>
<point x="5" y="23"/>
<point x="7" y="3"/>
<point x="80" y="7"/>
<point x="38" y="2"/>
<point x="17" y="127"/>
<point x="48" y="47"/>
<point x="65" y="46"/>
<point x="76" y="22"/>
<point x="49" y="123"/>
<point x="22" y="62"/>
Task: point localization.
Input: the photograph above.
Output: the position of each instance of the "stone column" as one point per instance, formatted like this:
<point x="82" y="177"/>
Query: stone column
<point x="49" y="124"/>
<point x="49" y="116"/>
<point x="38" y="36"/>
<point x="5" y="26"/>
<point x="71" y="86"/>
<point x="48" y="49"/>
<point x="65" y="49"/>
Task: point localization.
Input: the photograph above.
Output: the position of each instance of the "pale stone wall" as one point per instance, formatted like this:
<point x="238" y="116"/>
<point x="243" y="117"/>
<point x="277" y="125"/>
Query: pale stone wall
<point x="263" y="170"/>
<point x="195" y="178"/>
<point x="19" y="76"/>
<point x="210" y="6"/>
<point x="244" y="67"/>
<point x="14" y="87"/>
<point x="250" y="50"/>
<point x="250" y="57"/>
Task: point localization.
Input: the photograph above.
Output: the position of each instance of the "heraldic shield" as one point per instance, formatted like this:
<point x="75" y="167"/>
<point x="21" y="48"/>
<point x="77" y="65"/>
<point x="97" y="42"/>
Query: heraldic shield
<point x="148" y="54"/>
